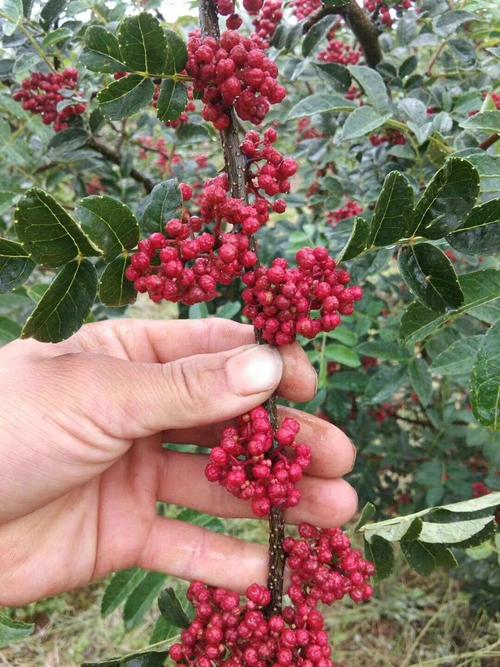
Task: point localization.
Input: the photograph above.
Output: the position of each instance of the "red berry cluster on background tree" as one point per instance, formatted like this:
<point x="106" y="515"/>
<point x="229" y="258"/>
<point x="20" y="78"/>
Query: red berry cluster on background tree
<point x="339" y="51"/>
<point x="350" y="210"/>
<point x="45" y="94"/>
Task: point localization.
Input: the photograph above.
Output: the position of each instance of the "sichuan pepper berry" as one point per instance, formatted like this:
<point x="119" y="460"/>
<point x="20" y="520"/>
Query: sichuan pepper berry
<point x="260" y="465"/>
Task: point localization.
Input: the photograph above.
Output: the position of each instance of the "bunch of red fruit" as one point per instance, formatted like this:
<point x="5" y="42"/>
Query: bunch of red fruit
<point x="186" y="264"/>
<point x="267" y="21"/>
<point x="304" y="8"/>
<point x="379" y="8"/>
<point x="393" y="138"/>
<point x="233" y="71"/>
<point x="338" y="51"/>
<point x="255" y="463"/>
<point x="273" y="177"/>
<point x="280" y="301"/>
<point x="324" y="568"/>
<point x="350" y="210"/>
<point x="229" y="633"/>
<point x="44" y="94"/>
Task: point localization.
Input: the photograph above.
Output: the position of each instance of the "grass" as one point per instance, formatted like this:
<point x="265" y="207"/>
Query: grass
<point x="412" y="621"/>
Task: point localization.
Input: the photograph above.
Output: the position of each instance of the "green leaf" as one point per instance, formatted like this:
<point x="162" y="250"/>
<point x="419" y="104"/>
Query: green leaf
<point x="336" y="74"/>
<point x="51" y="11"/>
<point x="394" y="530"/>
<point x="418" y="556"/>
<point x="421" y="380"/>
<point x="162" y="204"/>
<point x="115" y="291"/>
<point x="357" y="241"/>
<point x="109" y="223"/>
<point x="448" y="198"/>
<point x="172" y="101"/>
<point x="430" y="276"/>
<point x="171" y="609"/>
<point x="367" y="513"/>
<point x="13" y="11"/>
<point x="363" y="121"/>
<point x="488" y="121"/>
<point x="65" y="305"/>
<point x="384" y="384"/>
<point x="119" y="588"/>
<point x="454" y="532"/>
<point x="458" y="358"/>
<point x="13" y="631"/>
<point x="321" y="103"/>
<point x="125" y="97"/>
<point x="143" y="45"/>
<point x="212" y="523"/>
<point x="442" y="555"/>
<point x="447" y="23"/>
<point x="379" y="551"/>
<point x="9" y="330"/>
<point x="102" y="52"/>
<point x="373" y="86"/>
<point x="144" y="659"/>
<point x="386" y="350"/>
<point x="68" y="140"/>
<point x="479" y="288"/>
<point x="27" y="7"/>
<point x="393" y="211"/>
<point x="142" y="598"/>
<point x="177" y="54"/>
<point x="485" y="382"/>
<point x="342" y="355"/>
<point x="479" y="234"/>
<point x="48" y="232"/>
<point x="15" y="265"/>
<point x="316" y="33"/>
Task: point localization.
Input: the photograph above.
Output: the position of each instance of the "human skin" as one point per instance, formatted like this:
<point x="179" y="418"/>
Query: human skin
<point x="82" y="464"/>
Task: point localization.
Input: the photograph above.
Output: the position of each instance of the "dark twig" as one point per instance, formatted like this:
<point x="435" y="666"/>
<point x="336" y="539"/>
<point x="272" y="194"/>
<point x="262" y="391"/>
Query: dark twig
<point x="360" y="24"/>
<point x="236" y="169"/>
<point x="489" y="141"/>
<point x="115" y="157"/>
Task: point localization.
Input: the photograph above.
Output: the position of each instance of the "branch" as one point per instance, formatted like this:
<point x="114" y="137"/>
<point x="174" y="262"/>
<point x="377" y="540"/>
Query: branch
<point x="489" y="141"/>
<point x="115" y="157"/>
<point x="236" y="169"/>
<point x="360" y="24"/>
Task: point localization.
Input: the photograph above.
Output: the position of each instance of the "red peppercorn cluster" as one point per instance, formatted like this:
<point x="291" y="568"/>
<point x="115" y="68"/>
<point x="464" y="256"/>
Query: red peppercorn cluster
<point x="42" y="93"/>
<point x="273" y="177"/>
<point x="233" y="71"/>
<point x="325" y="568"/>
<point x="338" y="51"/>
<point x="350" y="210"/>
<point x="228" y="633"/>
<point x="255" y="463"/>
<point x="496" y="99"/>
<point x="382" y="11"/>
<point x="307" y="131"/>
<point x="304" y="8"/>
<point x="385" y="412"/>
<point x="186" y="264"/>
<point x="267" y="21"/>
<point x="279" y="300"/>
<point x="393" y="138"/>
<point x="95" y="186"/>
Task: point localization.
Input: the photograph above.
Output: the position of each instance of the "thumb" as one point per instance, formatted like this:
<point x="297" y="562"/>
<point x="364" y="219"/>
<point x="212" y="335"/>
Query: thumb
<point x="144" y="399"/>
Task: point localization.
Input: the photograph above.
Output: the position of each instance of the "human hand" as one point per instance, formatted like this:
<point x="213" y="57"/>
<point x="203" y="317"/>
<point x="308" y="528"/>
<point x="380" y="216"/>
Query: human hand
<point x="81" y="462"/>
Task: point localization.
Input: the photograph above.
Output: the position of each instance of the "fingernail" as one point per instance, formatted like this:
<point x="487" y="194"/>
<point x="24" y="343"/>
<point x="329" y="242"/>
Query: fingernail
<point x="254" y="370"/>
